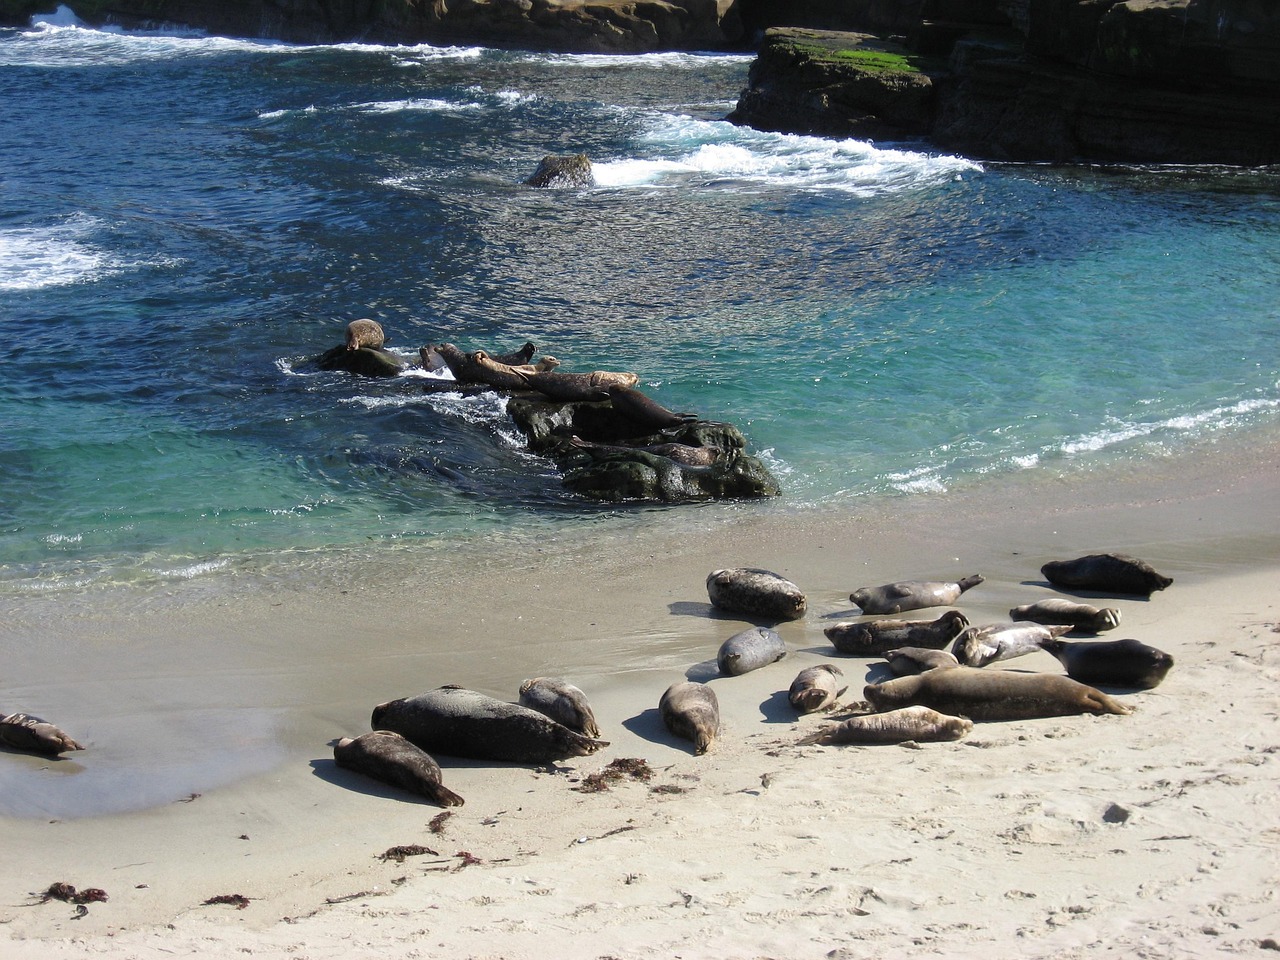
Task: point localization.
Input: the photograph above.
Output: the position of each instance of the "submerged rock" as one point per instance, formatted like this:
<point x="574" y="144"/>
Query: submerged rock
<point x="571" y="171"/>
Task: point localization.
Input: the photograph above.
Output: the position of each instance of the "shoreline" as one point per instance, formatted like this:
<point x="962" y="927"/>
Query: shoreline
<point x="1011" y="822"/>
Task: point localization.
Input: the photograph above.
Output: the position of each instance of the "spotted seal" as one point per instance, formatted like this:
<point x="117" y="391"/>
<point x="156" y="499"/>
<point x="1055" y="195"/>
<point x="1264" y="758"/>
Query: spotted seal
<point x="905" y="661"/>
<point x="871" y="638"/>
<point x="756" y="593"/>
<point x="390" y="758"/>
<point x="980" y="645"/>
<point x="463" y="723"/>
<point x="365" y="333"/>
<point x="25" y="732"/>
<point x="916" y="723"/>
<point x="816" y="688"/>
<point x="682" y="453"/>
<point x="1106" y="573"/>
<point x="1081" y="616"/>
<point x="992" y="695"/>
<point x="912" y="594"/>
<point x="1113" y="663"/>
<point x="749" y="650"/>
<point x="560" y="700"/>
<point x="691" y="711"/>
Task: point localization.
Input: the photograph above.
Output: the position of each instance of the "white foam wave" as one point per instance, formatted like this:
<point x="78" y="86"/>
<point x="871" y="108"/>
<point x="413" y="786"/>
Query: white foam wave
<point x="430" y="105"/>
<point x="193" y="570"/>
<point x="1198" y="424"/>
<point x="33" y="258"/>
<point x="658" y="61"/>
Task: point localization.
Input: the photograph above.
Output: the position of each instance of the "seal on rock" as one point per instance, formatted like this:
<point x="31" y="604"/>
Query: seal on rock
<point x="905" y="661"/>
<point x="918" y="724"/>
<point x="1114" y="663"/>
<point x="978" y="646"/>
<point x="25" y="732"/>
<point x="683" y="453"/>
<point x="871" y="638"/>
<point x="755" y="592"/>
<point x="464" y="723"/>
<point x="365" y="333"/>
<point x="815" y="688"/>
<point x="517" y="358"/>
<point x="690" y="710"/>
<point x="992" y="695"/>
<point x="560" y="700"/>
<point x="568" y="387"/>
<point x="1106" y="573"/>
<point x="1081" y="616"/>
<point x="644" y="410"/>
<point x="912" y="594"/>
<point x="749" y="650"/>
<point x="390" y="758"/>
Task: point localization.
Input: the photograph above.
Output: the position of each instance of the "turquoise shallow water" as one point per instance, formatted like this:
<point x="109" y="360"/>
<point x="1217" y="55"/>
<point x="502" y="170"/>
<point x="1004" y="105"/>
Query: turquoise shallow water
<point x="185" y="221"/>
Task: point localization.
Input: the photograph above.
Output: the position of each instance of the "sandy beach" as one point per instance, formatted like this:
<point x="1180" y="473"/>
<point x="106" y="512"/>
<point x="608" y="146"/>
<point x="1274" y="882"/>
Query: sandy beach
<point x="1149" y="835"/>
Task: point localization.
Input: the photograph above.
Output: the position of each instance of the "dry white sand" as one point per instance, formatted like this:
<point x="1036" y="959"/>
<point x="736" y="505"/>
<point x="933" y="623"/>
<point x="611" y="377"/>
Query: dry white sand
<point x="1150" y="835"/>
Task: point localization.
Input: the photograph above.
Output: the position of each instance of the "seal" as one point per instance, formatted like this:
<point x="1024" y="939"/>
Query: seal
<point x="918" y="724"/>
<point x="872" y="638"/>
<point x="1081" y="616"/>
<point x="682" y="453"/>
<point x="569" y="387"/>
<point x="1106" y="573"/>
<point x="978" y="646"/>
<point x="992" y="695"/>
<point x="756" y="593"/>
<point x="749" y="650"/>
<point x="911" y="594"/>
<point x="365" y="333"/>
<point x="25" y="732"/>
<point x="560" y="700"/>
<point x="906" y="661"/>
<point x="517" y="357"/>
<point x="644" y="410"/>
<point x="815" y="688"/>
<point x="691" y="711"/>
<point x="1115" y="663"/>
<point x="390" y="758"/>
<point x="464" y="723"/>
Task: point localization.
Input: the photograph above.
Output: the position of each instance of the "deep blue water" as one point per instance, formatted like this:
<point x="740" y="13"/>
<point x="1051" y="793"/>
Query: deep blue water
<point x="185" y="221"/>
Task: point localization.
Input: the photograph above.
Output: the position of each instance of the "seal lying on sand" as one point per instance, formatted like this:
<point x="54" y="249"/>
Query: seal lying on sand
<point x="870" y="638"/>
<point x="1106" y="573"/>
<point x="560" y="700"/>
<point x="815" y="688"/>
<point x="392" y="759"/>
<point x="749" y="650"/>
<point x="894" y="726"/>
<point x="691" y="710"/>
<point x="978" y="646"/>
<point x="755" y="592"/>
<point x="364" y="333"/>
<point x="464" y="723"/>
<point x="906" y="661"/>
<point x="25" y="732"/>
<point x="911" y="594"/>
<point x="1113" y="663"/>
<point x="1082" y="616"/>
<point x="992" y="695"/>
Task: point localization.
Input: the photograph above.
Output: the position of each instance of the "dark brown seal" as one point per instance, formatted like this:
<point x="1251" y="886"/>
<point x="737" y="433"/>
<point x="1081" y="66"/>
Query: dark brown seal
<point x="568" y="387"/>
<point x="756" y="592"/>
<point x="911" y="594"/>
<point x="992" y="695"/>
<point x="464" y="723"/>
<point x="816" y="688"/>
<point x="918" y="724"/>
<point x="1081" y="616"/>
<point x="25" y="732"/>
<point x="683" y="453"/>
<point x="749" y="650"/>
<point x="690" y="710"/>
<point x="560" y="700"/>
<point x="644" y="410"/>
<point x="1106" y="573"/>
<point x="873" y="638"/>
<point x="365" y="333"/>
<point x="905" y="661"/>
<point x="392" y="759"/>
<point x="1113" y="663"/>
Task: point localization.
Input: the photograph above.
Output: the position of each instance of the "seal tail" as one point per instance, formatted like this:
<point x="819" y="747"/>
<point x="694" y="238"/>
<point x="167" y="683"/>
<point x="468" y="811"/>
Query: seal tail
<point x="445" y="797"/>
<point x="820" y="737"/>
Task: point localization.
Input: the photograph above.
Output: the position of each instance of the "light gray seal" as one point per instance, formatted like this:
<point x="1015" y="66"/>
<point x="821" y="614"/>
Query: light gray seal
<point x="392" y="759"/>
<point x="906" y="661"/>
<point x="873" y="638"/>
<point x="756" y="593"/>
<point x="912" y="594"/>
<point x="365" y="333"/>
<point x="918" y="724"/>
<point x="1106" y="573"/>
<point x="1081" y="616"/>
<point x="816" y="688"/>
<point x="25" y="732"/>
<point x="978" y="646"/>
<point x="749" y="650"/>
<point x="992" y="695"/>
<point x="690" y="710"/>
<point x="560" y="700"/>
<point x="464" y="723"/>
<point x="1113" y="663"/>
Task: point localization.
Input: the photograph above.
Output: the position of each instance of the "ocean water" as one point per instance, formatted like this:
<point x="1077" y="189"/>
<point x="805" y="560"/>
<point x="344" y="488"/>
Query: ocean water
<point x="186" y="221"/>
